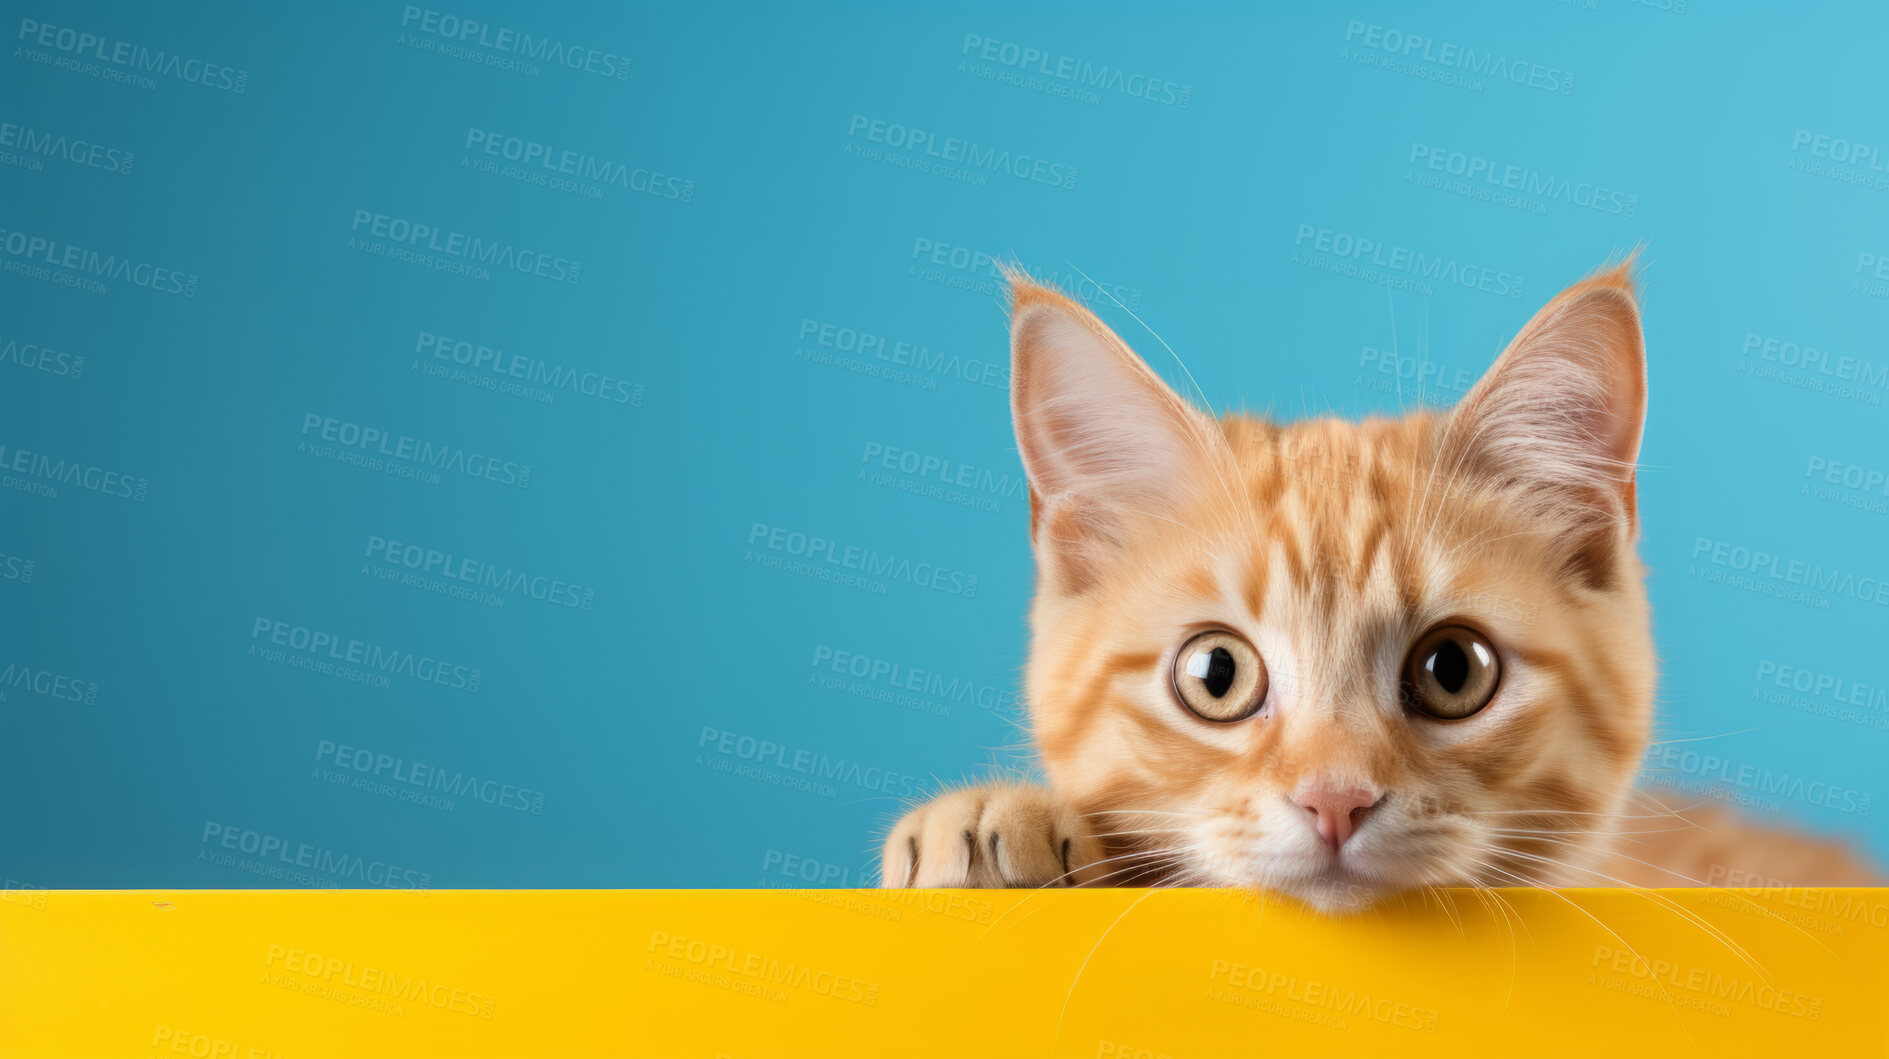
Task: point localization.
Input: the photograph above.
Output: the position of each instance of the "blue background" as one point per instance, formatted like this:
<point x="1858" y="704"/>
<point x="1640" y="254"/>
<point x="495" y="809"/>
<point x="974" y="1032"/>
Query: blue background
<point x="596" y="731"/>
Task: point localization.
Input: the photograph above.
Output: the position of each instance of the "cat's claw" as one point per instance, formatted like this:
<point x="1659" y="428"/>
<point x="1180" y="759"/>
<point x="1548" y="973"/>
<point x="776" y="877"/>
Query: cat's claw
<point x="1006" y="835"/>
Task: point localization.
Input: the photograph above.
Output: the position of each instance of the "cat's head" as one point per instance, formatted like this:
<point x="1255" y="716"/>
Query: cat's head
<point x="1336" y="659"/>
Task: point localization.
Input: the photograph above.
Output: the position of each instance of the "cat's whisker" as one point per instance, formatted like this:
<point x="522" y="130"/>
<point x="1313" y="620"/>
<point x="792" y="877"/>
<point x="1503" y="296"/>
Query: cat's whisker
<point x="1602" y="834"/>
<point x="1702" y="883"/>
<point x="1657" y="805"/>
<point x="1721" y="735"/>
<point x="1515" y="880"/>
<point x="1495" y="828"/>
<point x="1209" y="439"/>
<point x="1482" y="896"/>
<point x="1664" y="901"/>
<point x="1161" y="858"/>
<point x="1565" y="812"/>
<point x="1155" y="856"/>
<point x="1503" y="904"/>
<point x="1168" y="812"/>
<point x="1495" y="894"/>
<point x="1442" y="443"/>
<point x="1397" y="377"/>
<point x="1449" y="910"/>
<point x="1092" y="950"/>
<point x="1615" y="935"/>
<point x="1436" y="459"/>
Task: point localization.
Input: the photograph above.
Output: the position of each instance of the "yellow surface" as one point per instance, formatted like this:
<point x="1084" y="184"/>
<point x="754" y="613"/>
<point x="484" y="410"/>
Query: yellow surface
<point x="1116" y="974"/>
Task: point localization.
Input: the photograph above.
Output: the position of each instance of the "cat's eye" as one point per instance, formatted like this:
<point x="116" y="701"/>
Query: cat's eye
<point x="1451" y="673"/>
<point x="1220" y="677"/>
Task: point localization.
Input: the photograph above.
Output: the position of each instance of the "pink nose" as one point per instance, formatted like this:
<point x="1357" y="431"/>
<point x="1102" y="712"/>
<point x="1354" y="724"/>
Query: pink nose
<point x="1337" y="814"/>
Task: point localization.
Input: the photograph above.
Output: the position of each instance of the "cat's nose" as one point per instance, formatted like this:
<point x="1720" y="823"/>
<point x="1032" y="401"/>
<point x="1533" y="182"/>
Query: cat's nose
<point x="1336" y="814"/>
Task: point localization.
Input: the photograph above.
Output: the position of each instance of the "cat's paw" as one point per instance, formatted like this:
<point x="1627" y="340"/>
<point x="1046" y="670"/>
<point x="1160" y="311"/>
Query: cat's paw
<point x="1002" y="835"/>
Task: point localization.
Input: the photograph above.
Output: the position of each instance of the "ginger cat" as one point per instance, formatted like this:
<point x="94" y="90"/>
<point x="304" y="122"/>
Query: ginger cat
<point x="1339" y="660"/>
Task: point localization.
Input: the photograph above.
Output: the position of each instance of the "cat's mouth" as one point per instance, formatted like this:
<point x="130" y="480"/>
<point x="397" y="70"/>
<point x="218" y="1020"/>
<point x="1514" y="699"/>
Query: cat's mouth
<point x="1340" y="884"/>
<point x="1389" y="857"/>
<point x="1336" y="889"/>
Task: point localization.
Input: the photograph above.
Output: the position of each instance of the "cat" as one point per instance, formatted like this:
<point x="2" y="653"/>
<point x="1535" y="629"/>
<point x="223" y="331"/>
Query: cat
<point x="1339" y="660"/>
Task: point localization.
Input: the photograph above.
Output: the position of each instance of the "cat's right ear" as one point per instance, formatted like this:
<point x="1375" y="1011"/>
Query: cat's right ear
<point x="1107" y="445"/>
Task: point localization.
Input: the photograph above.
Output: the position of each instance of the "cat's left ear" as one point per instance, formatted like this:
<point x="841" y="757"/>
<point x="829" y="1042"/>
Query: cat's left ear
<point x="1556" y="421"/>
<point x="1110" y="450"/>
